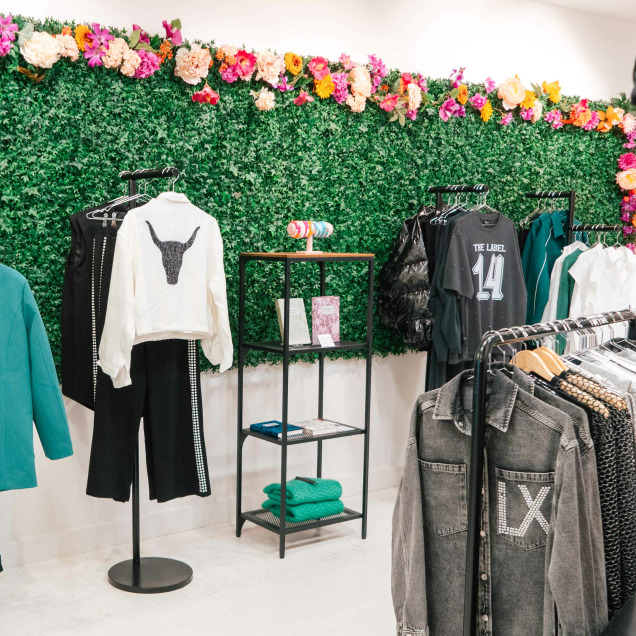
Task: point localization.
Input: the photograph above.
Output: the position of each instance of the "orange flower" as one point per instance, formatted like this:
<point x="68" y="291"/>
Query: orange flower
<point x="165" y="51"/>
<point x="462" y="96"/>
<point x="529" y="100"/>
<point x="67" y="31"/>
<point x="219" y="55"/>
<point x="223" y="67"/>
<point x="609" y="118"/>
<point x="384" y="87"/>
<point x="81" y="36"/>
<point x="553" y="91"/>
<point x="293" y="63"/>
<point x="230" y="60"/>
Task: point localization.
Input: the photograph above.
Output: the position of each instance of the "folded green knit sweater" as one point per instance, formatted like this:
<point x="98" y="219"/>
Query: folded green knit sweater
<point x="299" y="491"/>
<point x="306" y="511"/>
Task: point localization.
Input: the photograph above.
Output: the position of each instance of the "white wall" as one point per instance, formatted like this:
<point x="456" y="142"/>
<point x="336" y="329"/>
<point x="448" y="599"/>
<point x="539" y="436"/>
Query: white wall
<point x="590" y="54"/>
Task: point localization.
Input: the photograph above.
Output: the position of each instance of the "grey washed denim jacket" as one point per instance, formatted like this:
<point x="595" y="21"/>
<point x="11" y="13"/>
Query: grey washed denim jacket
<point x="542" y="539"/>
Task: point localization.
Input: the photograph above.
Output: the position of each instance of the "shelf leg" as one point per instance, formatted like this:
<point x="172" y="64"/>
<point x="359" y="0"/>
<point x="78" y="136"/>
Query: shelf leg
<point x="321" y="377"/>
<point x="367" y="403"/>
<point x="239" y="418"/>
<point x="283" y="460"/>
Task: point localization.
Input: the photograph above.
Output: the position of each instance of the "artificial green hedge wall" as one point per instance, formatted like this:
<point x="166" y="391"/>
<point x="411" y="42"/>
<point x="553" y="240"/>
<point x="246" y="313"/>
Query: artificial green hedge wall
<point x="64" y="141"/>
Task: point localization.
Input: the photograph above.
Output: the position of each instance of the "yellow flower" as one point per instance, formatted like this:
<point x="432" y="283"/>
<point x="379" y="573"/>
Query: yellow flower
<point x="81" y="36"/>
<point x="529" y="100"/>
<point x="553" y="91"/>
<point x="462" y="96"/>
<point x="486" y="111"/>
<point x="324" y="87"/>
<point x="293" y="63"/>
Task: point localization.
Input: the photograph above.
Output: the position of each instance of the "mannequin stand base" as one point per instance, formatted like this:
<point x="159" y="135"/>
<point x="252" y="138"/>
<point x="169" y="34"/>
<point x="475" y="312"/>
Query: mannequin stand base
<point x="152" y="575"/>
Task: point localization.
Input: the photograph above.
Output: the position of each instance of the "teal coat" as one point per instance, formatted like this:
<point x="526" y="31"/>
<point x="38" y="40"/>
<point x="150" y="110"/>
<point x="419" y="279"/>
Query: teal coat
<point x="29" y="388"/>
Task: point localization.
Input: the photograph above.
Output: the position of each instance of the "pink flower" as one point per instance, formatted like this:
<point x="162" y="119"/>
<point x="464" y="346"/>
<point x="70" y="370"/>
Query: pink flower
<point x="448" y="109"/>
<point x="5" y="47"/>
<point x="626" y="217"/>
<point x="627" y="161"/>
<point x="192" y="65"/>
<point x="100" y="36"/>
<point x="304" y="98"/>
<point x="491" y="85"/>
<point x="269" y="67"/>
<point x="148" y="65"/>
<point x="457" y="76"/>
<point x="8" y="28"/>
<point x="174" y="35"/>
<point x="506" y="119"/>
<point x="631" y="140"/>
<point x="378" y="71"/>
<point x="631" y="246"/>
<point x="319" y="67"/>
<point x="593" y="123"/>
<point x="143" y="36"/>
<point x="245" y="63"/>
<point x="94" y="54"/>
<point x="629" y="123"/>
<point x="478" y="101"/>
<point x="230" y="74"/>
<point x="411" y="114"/>
<point x="407" y="78"/>
<point x="629" y="229"/>
<point x="526" y="114"/>
<point x="346" y="62"/>
<point x="460" y="112"/>
<point x="283" y="85"/>
<point x="206" y="96"/>
<point x="389" y="103"/>
<point x="554" y="117"/>
<point x="341" y="92"/>
<point x="421" y="82"/>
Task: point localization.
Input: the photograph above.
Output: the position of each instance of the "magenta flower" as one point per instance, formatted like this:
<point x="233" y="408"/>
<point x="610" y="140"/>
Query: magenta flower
<point x="407" y="79"/>
<point x="230" y="74"/>
<point x="593" y="123"/>
<point x="284" y="86"/>
<point x="555" y="118"/>
<point x="629" y="229"/>
<point x="626" y="217"/>
<point x="460" y="112"/>
<point x="341" y="90"/>
<point x="631" y="140"/>
<point x="303" y="98"/>
<point x="143" y="35"/>
<point x="478" y="101"/>
<point x="346" y="62"/>
<point x="421" y="82"/>
<point x="206" y="95"/>
<point x="319" y="67"/>
<point x="627" y="161"/>
<point x="526" y="114"/>
<point x="506" y="119"/>
<point x="631" y="246"/>
<point x="411" y="114"/>
<point x="448" y="109"/>
<point x="8" y="28"/>
<point x="377" y="66"/>
<point x="5" y="46"/>
<point x="389" y="103"/>
<point x="457" y="76"/>
<point x="94" y="54"/>
<point x="149" y="64"/>
<point x="100" y="36"/>
<point x="172" y="34"/>
<point x="490" y="85"/>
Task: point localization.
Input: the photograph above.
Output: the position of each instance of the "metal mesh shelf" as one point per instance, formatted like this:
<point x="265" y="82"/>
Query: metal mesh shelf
<point x="304" y="437"/>
<point x="266" y="519"/>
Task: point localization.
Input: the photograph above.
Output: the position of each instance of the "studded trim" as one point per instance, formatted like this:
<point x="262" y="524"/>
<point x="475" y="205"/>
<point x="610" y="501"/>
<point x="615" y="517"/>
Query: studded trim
<point x="93" y="322"/>
<point x="534" y="510"/>
<point x="196" y="420"/>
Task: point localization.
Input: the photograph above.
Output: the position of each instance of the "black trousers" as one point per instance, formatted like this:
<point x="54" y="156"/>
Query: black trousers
<point x="166" y="393"/>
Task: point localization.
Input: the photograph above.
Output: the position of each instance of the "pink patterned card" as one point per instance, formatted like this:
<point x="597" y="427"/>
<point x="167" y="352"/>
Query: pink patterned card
<point x="325" y="317"/>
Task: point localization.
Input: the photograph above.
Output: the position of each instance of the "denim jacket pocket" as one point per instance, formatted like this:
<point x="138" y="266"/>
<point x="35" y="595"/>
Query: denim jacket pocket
<point x="444" y="497"/>
<point x="524" y="505"/>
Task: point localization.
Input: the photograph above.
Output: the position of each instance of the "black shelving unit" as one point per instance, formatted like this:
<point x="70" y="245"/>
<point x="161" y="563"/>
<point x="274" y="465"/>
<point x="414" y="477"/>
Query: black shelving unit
<point x="262" y="517"/>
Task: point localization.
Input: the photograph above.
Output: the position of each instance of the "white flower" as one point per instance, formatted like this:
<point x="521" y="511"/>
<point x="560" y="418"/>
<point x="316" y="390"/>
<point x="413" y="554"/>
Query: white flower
<point x="42" y="50"/>
<point x="192" y="65"/>
<point x="537" y="111"/>
<point x="115" y="53"/>
<point x="414" y="96"/>
<point x="269" y="67"/>
<point x="68" y="47"/>
<point x="264" y="99"/>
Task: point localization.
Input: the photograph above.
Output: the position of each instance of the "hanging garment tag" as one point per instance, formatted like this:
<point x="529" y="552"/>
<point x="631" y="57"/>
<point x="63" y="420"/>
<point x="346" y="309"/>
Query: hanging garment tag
<point x="326" y="340"/>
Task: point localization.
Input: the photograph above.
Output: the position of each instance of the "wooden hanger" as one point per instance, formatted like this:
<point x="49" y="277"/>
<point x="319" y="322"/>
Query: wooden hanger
<point x="552" y="360"/>
<point x="530" y="362"/>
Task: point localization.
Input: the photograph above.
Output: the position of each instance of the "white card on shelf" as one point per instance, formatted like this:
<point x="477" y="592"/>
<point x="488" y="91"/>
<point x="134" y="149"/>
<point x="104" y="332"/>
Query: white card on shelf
<point x="326" y="340"/>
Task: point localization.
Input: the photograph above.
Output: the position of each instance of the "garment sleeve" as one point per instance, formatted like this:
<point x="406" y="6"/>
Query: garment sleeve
<point x="48" y="407"/>
<point x="458" y="275"/>
<point x="218" y="348"/>
<point x="577" y="567"/>
<point x="408" y="572"/>
<point x="118" y="335"/>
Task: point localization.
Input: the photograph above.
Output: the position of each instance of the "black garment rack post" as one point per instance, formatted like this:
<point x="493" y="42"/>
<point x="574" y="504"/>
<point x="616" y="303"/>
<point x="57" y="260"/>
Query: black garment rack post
<point x="570" y="195"/>
<point x="491" y="339"/>
<point x="439" y="191"/>
<point x="147" y="575"/>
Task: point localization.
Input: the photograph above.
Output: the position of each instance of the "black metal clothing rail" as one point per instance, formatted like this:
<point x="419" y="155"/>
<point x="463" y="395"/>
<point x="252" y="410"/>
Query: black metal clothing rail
<point x="570" y="195"/>
<point x="492" y="339"/>
<point x="149" y="575"/>
<point x="586" y="227"/>
<point x="438" y="191"/>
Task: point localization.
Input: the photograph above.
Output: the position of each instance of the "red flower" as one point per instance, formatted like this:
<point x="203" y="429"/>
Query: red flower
<point x="245" y="63"/>
<point x="206" y="96"/>
<point x="389" y="103"/>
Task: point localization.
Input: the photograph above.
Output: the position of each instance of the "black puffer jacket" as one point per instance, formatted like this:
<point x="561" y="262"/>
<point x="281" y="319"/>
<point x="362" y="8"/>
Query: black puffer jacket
<point x="405" y="285"/>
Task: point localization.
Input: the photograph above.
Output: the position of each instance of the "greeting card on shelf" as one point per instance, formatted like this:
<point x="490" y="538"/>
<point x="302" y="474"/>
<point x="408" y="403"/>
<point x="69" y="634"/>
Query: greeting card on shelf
<point x="298" y="326"/>
<point x="325" y="318"/>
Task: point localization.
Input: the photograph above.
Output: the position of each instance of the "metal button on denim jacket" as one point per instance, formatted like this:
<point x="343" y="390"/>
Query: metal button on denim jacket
<point x="541" y="532"/>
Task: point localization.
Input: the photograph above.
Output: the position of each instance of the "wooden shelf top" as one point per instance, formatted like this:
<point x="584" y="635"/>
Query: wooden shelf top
<point x="305" y="255"/>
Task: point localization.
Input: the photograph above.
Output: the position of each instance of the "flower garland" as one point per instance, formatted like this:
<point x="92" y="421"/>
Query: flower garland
<point x="401" y="95"/>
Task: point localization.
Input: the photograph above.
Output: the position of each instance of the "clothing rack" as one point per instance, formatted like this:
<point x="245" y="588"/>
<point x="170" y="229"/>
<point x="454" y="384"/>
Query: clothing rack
<point x="570" y="195"/>
<point x="147" y="575"/>
<point x="596" y="228"/>
<point x="491" y="339"/>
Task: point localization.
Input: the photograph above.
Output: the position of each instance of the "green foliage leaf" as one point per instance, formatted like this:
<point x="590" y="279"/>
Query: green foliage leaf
<point x="176" y="24"/>
<point x="454" y="93"/>
<point x="25" y="33"/>
<point x="133" y="40"/>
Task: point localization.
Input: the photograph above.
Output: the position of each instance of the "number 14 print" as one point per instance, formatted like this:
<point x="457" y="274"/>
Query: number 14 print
<point x="494" y="278"/>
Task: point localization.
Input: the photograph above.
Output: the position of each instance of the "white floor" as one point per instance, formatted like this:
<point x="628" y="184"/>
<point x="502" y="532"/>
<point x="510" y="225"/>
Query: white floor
<point x="331" y="583"/>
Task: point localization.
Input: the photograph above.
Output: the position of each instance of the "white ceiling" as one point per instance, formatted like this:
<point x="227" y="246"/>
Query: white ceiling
<point x="624" y="9"/>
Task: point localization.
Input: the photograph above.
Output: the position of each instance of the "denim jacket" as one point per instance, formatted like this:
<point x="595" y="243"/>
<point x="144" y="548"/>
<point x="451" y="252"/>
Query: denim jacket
<point x="541" y="534"/>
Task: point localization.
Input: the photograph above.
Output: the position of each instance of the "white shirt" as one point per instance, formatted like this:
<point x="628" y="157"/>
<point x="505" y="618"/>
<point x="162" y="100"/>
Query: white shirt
<point x="168" y="282"/>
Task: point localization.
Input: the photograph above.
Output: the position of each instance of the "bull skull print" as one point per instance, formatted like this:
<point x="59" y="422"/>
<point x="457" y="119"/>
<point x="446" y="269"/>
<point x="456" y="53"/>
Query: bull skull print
<point x="172" y="254"/>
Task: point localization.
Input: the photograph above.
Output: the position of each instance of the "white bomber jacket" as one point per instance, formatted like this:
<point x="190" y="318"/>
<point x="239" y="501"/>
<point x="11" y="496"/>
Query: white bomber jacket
<point x="167" y="282"/>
